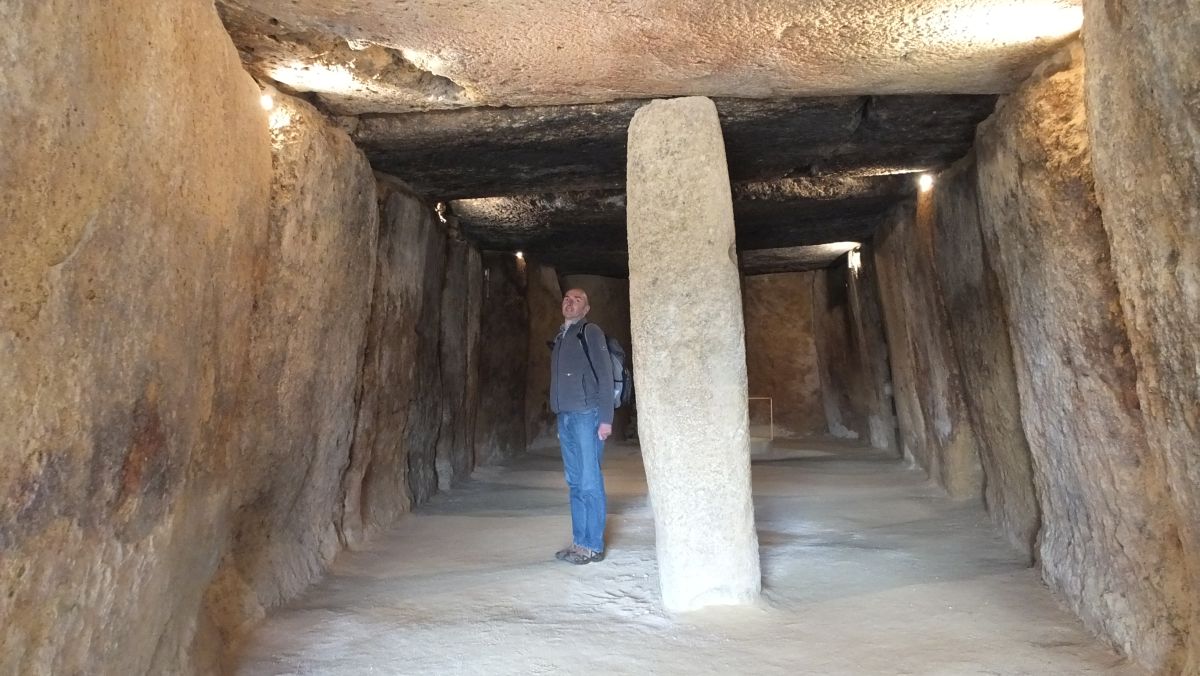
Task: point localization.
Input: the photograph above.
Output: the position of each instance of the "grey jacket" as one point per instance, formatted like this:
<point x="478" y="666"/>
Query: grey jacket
<point x="573" y="387"/>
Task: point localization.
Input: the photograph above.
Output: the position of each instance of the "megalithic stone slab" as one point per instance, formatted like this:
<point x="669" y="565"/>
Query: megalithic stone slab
<point x="689" y="355"/>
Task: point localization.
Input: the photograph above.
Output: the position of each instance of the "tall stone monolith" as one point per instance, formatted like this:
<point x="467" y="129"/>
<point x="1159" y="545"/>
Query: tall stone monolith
<point x="689" y="355"/>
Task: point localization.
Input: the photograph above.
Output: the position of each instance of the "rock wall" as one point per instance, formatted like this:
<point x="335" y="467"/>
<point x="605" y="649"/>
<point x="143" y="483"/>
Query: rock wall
<point x="462" y="297"/>
<point x="190" y="322"/>
<point x="609" y="298"/>
<point x="503" y="360"/>
<point x="392" y="464"/>
<point x="866" y="325"/>
<point x="543" y="300"/>
<point x="136" y="178"/>
<point x="1143" y="62"/>
<point x="1111" y="533"/>
<point x="979" y="330"/>
<point x="935" y="429"/>
<point x="304" y="364"/>
<point x="844" y="395"/>
<point x="781" y="356"/>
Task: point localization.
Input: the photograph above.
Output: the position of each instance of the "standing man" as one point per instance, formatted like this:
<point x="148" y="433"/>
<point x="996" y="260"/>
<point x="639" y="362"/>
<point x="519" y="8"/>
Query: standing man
<point x="581" y="393"/>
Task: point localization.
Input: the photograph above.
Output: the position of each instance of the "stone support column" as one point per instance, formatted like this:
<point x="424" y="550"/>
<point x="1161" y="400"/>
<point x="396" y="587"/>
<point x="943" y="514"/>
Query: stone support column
<point x="689" y="355"/>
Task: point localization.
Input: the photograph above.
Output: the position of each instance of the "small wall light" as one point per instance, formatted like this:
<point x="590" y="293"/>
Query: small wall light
<point x="925" y="182"/>
<point x="854" y="260"/>
<point x="520" y="256"/>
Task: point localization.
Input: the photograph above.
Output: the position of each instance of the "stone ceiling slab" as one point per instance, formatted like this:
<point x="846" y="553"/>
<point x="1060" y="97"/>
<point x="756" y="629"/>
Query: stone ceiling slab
<point x="584" y="231"/>
<point x="792" y="259"/>
<point x="550" y="52"/>
<point x="484" y="152"/>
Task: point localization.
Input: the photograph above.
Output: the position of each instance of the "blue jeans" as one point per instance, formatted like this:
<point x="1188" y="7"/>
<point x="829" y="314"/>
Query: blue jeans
<point x="582" y="452"/>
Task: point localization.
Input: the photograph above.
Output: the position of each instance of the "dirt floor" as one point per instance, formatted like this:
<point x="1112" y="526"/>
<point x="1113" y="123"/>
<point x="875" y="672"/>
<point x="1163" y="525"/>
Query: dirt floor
<point x="867" y="569"/>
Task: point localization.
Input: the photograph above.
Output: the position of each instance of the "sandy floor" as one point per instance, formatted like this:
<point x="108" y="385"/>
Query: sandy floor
<point x="867" y="569"/>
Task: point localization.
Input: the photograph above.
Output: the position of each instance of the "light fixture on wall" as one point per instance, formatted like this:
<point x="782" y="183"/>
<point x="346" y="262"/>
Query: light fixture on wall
<point x="925" y="182"/>
<point x="520" y="256"/>
<point x="854" y="260"/>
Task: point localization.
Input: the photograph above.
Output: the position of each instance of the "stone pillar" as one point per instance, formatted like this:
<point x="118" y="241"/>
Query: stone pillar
<point x="689" y="355"/>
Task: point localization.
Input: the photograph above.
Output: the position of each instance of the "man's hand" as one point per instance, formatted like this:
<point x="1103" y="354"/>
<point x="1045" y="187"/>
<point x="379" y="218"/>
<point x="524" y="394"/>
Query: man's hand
<point x="605" y="431"/>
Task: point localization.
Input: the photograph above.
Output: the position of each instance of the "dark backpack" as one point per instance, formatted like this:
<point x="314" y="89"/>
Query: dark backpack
<point x="622" y="378"/>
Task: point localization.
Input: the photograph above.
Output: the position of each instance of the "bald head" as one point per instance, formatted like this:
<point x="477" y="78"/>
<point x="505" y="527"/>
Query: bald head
<point x="575" y="305"/>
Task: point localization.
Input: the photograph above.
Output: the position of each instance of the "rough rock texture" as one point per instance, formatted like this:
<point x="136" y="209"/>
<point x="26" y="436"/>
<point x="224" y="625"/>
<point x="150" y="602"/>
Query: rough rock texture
<point x="305" y="361"/>
<point x="1110" y="540"/>
<point x="1143" y="64"/>
<point x="935" y="428"/>
<point x="689" y="352"/>
<point x="136" y="180"/>
<point x="781" y="358"/>
<point x="793" y="258"/>
<point x="543" y="298"/>
<point x="609" y="298"/>
<point x="462" y="295"/>
<point x="558" y="52"/>
<point x="866" y="324"/>
<point x="503" y="360"/>
<point x="979" y="330"/>
<point x="843" y="387"/>
<point x="392" y="462"/>
<point x="346" y="77"/>
<point x="808" y="221"/>
<point x="582" y="147"/>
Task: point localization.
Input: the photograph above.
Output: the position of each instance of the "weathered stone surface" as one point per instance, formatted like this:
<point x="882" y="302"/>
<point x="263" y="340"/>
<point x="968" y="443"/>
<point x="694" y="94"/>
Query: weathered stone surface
<point x="347" y="78"/>
<point x="609" y="298"/>
<point x="808" y="221"/>
<point x="560" y="52"/>
<point x="866" y="323"/>
<point x="543" y="298"/>
<point x="136" y="180"/>
<point x="781" y="358"/>
<point x="980" y="336"/>
<point x="1109" y="539"/>
<point x="792" y="258"/>
<point x="843" y="386"/>
<point x="935" y="428"/>
<point x="305" y="354"/>
<point x="689" y="353"/>
<point x="582" y="147"/>
<point x="503" y="360"/>
<point x="1143" y="63"/>
<point x="462" y="294"/>
<point x="392" y="461"/>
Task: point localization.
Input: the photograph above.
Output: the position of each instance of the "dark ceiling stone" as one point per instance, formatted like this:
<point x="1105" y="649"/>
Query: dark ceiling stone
<point x="482" y="152"/>
<point x="791" y="259"/>
<point x="584" y="231"/>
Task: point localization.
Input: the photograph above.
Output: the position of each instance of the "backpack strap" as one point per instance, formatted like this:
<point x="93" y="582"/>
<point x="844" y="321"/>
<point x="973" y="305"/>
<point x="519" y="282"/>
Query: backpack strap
<point x="586" y="353"/>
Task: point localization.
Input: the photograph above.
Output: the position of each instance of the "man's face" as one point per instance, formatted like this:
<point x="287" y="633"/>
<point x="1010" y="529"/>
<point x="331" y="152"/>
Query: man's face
<point x="575" y="304"/>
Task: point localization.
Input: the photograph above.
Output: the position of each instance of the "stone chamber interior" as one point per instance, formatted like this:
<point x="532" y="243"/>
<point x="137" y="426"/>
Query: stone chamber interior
<point x="274" y="273"/>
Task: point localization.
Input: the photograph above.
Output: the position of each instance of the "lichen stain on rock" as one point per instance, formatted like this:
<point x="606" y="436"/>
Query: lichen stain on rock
<point x="131" y="470"/>
<point x="36" y="498"/>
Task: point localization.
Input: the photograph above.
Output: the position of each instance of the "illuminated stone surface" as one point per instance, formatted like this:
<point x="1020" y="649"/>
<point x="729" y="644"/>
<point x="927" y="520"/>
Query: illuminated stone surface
<point x="686" y="308"/>
<point x="565" y="52"/>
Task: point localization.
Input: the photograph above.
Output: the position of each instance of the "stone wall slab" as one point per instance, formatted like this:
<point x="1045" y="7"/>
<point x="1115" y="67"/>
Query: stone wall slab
<point x="1108" y="539"/>
<point x="781" y="355"/>
<point x="979" y="329"/>
<point x="136" y="178"/>
<point x="1143" y="101"/>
